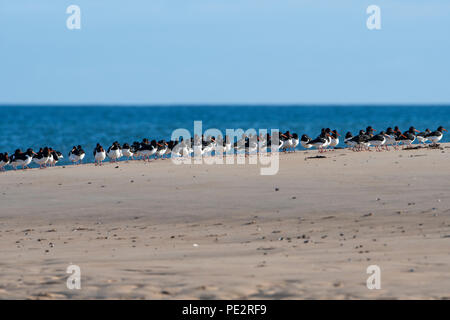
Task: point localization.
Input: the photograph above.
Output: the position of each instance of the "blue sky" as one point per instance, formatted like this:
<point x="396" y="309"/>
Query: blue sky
<point x="225" y="52"/>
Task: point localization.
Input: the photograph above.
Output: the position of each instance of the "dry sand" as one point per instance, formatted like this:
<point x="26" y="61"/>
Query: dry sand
<point x="158" y="231"/>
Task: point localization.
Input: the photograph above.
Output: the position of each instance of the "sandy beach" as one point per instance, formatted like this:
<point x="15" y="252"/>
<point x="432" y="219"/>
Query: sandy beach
<point x="160" y="231"/>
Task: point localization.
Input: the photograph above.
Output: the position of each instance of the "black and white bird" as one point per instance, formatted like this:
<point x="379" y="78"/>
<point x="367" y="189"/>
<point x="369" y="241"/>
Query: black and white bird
<point x="73" y="155"/>
<point x="378" y="140"/>
<point x="227" y="144"/>
<point x="147" y="149"/>
<point x="251" y="144"/>
<point x="4" y="160"/>
<point x="81" y="153"/>
<point x="55" y="156"/>
<point x="114" y="152"/>
<point x="334" y="137"/>
<point x="391" y="139"/>
<point x="422" y="136"/>
<point x="162" y="148"/>
<point x="170" y="145"/>
<point x="23" y="159"/>
<point x="286" y="138"/>
<point x="99" y="155"/>
<point x="304" y="141"/>
<point x="42" y="157"/>
<point x="295" y="141"/>
<point x="348" y="140"/>
<point x="408" y="137"/>
<point x="181" y="149"/>
<point x="127" y="151"/>
<point x="437" y="135"/>
<point x="360" y="141"/>
<point x="321" y="142"/>
<point x="76" y="155"/>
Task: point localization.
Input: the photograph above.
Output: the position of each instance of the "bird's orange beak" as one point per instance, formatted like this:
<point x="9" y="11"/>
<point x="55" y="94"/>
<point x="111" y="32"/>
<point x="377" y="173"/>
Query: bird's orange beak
<point x="416" y="130"/>
<point x="403" y="136"/>
<point x="444" y="129"/>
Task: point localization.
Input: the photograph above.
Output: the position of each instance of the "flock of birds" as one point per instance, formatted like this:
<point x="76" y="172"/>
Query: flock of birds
<point x="367" y="138"/>
<point x="205" y="146"/>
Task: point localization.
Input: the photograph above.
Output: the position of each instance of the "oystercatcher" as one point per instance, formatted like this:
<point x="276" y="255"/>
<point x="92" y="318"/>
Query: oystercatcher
<point x="23" y="159"/>
<point x="437" y="135"/>
<point x="99" y="155"/>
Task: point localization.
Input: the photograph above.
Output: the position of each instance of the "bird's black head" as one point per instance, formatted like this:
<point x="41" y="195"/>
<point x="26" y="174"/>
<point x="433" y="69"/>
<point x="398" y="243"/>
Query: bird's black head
<point x="413" y="130"/>
<point x="370" y="130"/>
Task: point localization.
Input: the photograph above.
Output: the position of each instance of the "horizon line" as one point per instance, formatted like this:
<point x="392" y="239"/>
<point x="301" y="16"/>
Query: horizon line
<point x="171" y="105"/>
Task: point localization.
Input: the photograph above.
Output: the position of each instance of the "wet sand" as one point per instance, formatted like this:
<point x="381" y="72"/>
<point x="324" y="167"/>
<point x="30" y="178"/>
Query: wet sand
<point x="160" y="231"/>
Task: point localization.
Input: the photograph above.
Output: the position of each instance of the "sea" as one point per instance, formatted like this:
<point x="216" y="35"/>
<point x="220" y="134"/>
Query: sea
<point x="62" y="127"/>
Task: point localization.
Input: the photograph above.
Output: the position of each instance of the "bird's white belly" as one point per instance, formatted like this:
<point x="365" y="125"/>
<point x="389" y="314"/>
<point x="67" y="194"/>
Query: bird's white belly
<point x="114" y="154"/>
<point x="435" y="138"/>
<point x="100" y="156"/>
<point x="421" y="139"/>
<point x="305" y="145"/>
<point x="319" y="144"/>
<point x="350" y="143"/>
<point x="127" y="153"/>
<point x="377" y="142"/>
<point x="74" y="157"/>
<point x="390" y="140"/>
<point x="27" y="161"/>
<point x="334" y="142"/>
<point x="41" y="161"/>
